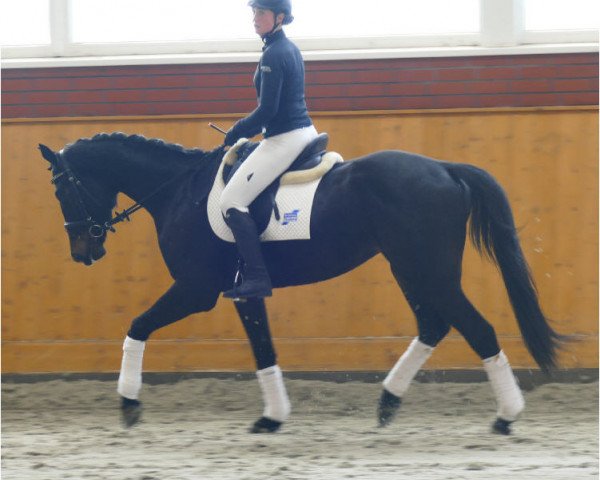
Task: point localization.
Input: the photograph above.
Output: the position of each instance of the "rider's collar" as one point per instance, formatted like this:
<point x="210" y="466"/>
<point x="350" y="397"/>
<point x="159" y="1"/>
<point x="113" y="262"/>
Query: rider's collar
<point x="273" y="37"/>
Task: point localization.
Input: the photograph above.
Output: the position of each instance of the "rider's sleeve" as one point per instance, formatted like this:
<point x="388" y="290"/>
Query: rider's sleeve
<point x="271" y="82"/>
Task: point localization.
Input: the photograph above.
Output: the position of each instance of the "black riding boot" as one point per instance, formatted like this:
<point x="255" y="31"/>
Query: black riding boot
<point x="255" y="280"/>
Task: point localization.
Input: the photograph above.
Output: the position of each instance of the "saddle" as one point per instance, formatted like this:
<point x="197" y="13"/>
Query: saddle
<point x="312" y="163"/>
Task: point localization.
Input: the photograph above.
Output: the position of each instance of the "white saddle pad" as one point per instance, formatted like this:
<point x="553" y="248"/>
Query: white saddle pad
<point x="293" y="201"/>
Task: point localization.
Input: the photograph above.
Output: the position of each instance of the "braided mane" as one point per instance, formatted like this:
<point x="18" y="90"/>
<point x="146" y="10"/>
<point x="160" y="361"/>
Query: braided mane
<point x="141" y="141"/>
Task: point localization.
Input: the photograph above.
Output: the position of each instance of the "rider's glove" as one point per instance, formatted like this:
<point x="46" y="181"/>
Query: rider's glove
<point x="232" y="135"/>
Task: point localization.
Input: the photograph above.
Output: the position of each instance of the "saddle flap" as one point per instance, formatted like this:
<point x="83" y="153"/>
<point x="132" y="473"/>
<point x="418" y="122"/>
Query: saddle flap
<point x="297" y="197"/>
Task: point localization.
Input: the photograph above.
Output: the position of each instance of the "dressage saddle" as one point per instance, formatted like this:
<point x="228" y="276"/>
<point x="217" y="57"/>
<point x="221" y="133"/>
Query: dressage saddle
<point x="262" y="207"/>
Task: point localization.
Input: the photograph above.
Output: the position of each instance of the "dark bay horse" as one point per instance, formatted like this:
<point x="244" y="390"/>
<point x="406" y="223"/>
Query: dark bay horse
<point x="412" y="209"/>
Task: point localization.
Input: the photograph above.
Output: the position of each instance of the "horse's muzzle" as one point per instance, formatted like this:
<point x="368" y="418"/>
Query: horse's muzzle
<point x="85" y="259"/>
<point x="87" y="252"/>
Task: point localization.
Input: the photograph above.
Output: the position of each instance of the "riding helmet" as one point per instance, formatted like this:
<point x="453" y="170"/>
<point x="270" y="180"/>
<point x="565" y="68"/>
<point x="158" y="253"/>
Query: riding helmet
<point x="276" y="6"/>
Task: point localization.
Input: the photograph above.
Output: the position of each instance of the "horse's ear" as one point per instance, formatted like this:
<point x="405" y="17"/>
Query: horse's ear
<point x="48" y="154"/>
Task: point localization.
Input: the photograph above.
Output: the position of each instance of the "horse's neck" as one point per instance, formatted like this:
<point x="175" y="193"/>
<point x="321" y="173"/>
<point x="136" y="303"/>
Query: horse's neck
<point x="149" y="179"/>
<point x="148" y="174"/>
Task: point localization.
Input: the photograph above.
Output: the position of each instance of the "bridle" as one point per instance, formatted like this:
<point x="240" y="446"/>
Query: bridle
<point x="96" y="229"/>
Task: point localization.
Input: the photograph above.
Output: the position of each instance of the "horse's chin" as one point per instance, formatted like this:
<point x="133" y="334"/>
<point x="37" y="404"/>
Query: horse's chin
<point x="90" y="257"/>
<point x="85" y="259"/>
<point x="96" y="254"/>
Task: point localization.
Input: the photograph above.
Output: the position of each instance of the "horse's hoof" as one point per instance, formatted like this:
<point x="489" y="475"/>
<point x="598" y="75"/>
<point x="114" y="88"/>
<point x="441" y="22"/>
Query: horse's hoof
<point x="388" y="407"/>
<point x="265" y="425"/>
<point x="501" y="426"/>
<point x="131" y="411"/>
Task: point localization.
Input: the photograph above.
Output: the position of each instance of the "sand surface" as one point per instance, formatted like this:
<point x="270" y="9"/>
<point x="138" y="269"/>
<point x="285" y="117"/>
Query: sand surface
<point x="197" y="429"/>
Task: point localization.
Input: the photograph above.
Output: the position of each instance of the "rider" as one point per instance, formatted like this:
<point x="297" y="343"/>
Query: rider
<point x="283" y="119"/>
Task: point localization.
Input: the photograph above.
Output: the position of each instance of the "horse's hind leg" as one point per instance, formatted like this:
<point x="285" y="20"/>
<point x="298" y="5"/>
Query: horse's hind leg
<point x="253" y="314"/>
<point x="480" y="335"/>
<point x="458" y="311"/>
<point x="432" y="329"/>
<point x="435" y="294"/>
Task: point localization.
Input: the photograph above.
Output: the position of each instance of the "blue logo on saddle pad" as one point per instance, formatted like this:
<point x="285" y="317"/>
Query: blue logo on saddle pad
<point x="290" y="217"/>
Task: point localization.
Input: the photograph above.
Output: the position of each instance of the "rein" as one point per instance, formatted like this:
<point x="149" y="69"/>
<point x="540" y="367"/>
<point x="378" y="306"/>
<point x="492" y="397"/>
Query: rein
<point x="97" y="229"/>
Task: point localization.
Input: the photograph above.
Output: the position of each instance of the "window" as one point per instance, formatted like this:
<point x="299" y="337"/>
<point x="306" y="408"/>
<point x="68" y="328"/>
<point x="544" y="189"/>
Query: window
<point x="25" y="22"/>
<point x="185" y="20"/>
<point x="561" y="15"/>
<point x="554" y="21"/>
<point x="222" y="29"/>
<point x="110" y="21"/>
<point x="342" y="18"/>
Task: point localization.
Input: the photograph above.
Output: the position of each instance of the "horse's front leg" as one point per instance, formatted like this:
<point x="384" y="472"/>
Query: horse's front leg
<point x="253" y="314"/>
<point x="181" y="300"/>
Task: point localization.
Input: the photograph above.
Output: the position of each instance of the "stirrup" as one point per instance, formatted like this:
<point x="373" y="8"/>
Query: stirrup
<point x="252" y="288"/>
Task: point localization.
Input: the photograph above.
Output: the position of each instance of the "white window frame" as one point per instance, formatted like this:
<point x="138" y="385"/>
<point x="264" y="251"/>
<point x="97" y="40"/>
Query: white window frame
<point x="502" y="32"/>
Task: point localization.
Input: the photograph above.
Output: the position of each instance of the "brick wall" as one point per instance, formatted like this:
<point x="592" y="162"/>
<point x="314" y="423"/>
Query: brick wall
<point x="396" y="84"/>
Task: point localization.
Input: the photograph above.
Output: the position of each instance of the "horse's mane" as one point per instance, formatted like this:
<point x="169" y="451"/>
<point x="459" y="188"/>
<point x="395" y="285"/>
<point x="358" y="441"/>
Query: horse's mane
<point x="142" y="141"/>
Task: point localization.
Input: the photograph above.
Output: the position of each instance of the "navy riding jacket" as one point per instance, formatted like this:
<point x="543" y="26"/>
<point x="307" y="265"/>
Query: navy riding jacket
<point x="279" y="82"/>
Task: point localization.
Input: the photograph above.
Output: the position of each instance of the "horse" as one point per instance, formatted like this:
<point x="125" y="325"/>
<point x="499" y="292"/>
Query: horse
<point x="414" y="210"/>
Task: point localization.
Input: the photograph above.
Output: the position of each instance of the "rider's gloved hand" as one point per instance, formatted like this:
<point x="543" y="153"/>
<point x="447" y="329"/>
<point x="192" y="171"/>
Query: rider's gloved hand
<point x="232" y="135"/>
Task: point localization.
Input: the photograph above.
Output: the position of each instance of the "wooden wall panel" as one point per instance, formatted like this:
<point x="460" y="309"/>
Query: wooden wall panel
<point x="61" y="316"/>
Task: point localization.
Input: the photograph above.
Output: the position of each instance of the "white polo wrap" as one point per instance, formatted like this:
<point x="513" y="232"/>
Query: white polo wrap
<point x="130" y="378"/>
<point x="509" y="398"/>
<point x="406" y="368"/>
<point x="275" y="398"/>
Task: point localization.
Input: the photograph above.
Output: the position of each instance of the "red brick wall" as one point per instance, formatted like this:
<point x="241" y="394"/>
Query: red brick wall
<point x="395" y="84"/>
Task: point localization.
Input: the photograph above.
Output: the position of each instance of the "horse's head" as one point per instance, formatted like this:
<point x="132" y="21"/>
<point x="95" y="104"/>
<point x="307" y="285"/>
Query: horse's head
<point x="86" y="211"/>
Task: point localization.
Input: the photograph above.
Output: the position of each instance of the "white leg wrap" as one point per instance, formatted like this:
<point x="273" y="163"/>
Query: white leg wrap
<point x="399" y="378"/>
<point x="277" y="403"/>
<point x="130" y="378"/>
<point x="509" y="398"/>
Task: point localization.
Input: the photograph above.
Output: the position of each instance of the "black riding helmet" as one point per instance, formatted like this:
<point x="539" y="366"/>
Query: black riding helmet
<point x="276" y="6"/>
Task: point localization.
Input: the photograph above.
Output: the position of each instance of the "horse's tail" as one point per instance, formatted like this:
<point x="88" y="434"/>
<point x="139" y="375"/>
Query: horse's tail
<point x="493" y="232"/>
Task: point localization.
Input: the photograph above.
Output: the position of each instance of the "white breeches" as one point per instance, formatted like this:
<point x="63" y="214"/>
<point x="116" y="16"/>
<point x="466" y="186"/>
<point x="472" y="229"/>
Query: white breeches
<point x="411" y="361"/>
<point x="272" y="157"/>
<point x="130" y="378"/>
<point x="509" y="398"/>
